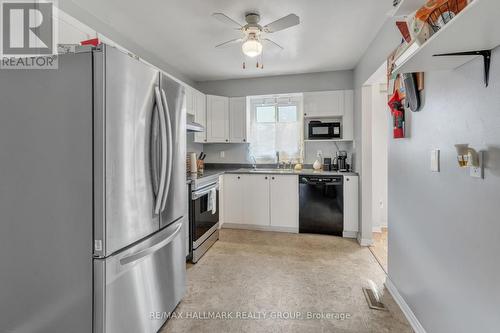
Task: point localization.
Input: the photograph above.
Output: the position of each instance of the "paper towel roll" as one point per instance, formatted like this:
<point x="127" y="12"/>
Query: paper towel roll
<point x="194" y="159"/>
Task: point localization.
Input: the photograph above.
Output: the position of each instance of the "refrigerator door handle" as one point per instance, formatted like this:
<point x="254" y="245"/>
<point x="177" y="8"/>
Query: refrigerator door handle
<point x="153" y="150"/>
<point x="152" y="249"/>
<point x="163" y="159"/>
<point x="170" y="150"/>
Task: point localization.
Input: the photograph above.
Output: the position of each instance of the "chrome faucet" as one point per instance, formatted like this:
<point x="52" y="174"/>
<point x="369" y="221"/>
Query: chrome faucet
<point x="254" y="164"/>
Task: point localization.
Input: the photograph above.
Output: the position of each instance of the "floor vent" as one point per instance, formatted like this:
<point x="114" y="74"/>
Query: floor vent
<point x="372" y="300"/>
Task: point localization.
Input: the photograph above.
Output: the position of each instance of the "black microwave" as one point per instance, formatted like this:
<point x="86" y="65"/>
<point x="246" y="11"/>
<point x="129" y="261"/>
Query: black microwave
<point x="320" y="130"/>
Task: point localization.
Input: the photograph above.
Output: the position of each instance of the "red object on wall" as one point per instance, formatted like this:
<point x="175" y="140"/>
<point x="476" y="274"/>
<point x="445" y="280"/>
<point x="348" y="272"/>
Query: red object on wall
<point x="93" y="42"/>
<point x="398" y="116"/>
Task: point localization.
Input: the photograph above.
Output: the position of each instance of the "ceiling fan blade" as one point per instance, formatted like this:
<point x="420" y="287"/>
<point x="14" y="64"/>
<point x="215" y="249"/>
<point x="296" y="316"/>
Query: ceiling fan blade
<point x="282" y="23"/>
<point x="274" y="43"/>
<point x="230" y="42"/>
<point x="227" y="20"/>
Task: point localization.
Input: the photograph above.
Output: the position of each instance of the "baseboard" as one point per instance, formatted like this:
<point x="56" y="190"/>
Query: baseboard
<point x="259" y="227"/>
<point x="405" y="308"/>
<point x="364" y="241"/>
<point x="350" y="234"/>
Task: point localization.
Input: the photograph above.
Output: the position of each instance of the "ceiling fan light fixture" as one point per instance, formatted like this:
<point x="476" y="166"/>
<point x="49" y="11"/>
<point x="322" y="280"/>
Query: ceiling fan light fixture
<point x="252" y="48"/>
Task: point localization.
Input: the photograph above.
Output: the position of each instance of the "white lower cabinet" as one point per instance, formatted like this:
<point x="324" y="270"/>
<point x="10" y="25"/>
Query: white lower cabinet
<point x="256" y="199"/>
<point x="232" y="195"/>
<point x="265" y="202"/>
<point x="284" y="200"/>
<point x="351" y="221"/>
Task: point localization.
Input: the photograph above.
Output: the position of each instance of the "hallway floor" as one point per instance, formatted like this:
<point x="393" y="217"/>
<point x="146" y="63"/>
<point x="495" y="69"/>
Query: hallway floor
<point x="265" y="275"/>
<point x="379" y="247"/>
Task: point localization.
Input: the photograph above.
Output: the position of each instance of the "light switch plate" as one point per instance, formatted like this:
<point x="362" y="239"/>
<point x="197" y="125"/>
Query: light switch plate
<point x="435" y="160"/>
<point x="479" y="171"/>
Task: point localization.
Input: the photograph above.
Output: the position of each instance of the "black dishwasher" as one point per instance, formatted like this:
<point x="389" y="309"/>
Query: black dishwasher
<point x="321" y="207"/>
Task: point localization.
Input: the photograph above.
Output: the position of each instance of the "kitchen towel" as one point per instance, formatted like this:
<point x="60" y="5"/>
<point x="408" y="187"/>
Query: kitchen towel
<point x="212" y="201"/>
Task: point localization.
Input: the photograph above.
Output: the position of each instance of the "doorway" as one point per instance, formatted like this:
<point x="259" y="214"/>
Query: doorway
<point x="376" y="131"/>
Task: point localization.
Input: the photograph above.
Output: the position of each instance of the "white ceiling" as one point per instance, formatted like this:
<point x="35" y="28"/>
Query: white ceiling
<point x="333" y="34"/>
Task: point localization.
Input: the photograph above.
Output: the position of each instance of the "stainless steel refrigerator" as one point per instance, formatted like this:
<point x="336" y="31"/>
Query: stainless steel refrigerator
<point x="92" y="195"/>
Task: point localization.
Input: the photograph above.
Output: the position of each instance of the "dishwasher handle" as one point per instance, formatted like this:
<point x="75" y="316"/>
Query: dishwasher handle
<point x="319" y="181"/>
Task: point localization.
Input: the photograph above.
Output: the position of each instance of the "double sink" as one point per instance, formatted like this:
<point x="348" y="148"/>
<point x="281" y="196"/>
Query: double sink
<point x="269" y="170"/>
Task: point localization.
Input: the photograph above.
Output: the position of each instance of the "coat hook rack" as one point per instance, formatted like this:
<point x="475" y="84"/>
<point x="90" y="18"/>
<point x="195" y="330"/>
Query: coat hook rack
<point x="486" y="57"/>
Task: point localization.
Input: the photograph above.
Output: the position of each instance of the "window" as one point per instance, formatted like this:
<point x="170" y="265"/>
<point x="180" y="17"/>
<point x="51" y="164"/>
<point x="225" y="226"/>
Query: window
<point x="276" y="126"/>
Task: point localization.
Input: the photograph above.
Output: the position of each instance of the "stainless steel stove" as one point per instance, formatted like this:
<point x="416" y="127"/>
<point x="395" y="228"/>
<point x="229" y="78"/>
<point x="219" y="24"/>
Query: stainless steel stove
<point x="203" y="214"/>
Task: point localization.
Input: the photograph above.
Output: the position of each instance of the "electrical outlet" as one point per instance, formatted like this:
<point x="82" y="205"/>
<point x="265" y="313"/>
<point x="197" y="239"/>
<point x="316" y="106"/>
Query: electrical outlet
<point x="478" y="172"/>
<point x="222" y="154"/>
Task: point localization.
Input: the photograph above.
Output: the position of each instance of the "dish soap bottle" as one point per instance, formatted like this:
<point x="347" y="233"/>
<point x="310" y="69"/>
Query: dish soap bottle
<point x="317" y="164"/>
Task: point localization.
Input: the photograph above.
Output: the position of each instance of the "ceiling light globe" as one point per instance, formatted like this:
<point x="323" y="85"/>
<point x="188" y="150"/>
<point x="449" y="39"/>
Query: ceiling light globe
<point x="252" y="48"/>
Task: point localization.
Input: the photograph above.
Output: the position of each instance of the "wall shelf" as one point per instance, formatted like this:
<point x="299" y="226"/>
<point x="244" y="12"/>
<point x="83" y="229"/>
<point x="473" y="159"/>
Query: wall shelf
<point x="328" y="140"/>
<point x="475" y="28"/>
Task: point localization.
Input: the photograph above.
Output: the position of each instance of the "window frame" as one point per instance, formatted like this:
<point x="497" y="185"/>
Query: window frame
<point x="277" y="100"/>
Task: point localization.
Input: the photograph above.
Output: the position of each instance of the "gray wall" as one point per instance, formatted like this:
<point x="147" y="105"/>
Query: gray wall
<point x="337" y="80"/>
<point x="444" y="228"/>
<point x="238" y="153"/>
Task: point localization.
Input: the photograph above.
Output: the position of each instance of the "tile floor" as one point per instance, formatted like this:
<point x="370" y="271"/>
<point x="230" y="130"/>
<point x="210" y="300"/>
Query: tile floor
<point x="266" y="275"/>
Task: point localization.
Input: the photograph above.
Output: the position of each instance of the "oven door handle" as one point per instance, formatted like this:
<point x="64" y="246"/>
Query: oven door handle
<point x="198" y="194"/>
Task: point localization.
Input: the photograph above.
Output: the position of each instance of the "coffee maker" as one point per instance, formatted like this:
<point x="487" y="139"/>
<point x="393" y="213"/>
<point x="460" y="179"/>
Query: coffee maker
<point x="340" y="161"/>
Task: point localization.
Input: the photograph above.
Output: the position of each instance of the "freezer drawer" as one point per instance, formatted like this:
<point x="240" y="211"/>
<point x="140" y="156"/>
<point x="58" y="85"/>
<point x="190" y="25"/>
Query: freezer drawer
<point x="147" y="279"/>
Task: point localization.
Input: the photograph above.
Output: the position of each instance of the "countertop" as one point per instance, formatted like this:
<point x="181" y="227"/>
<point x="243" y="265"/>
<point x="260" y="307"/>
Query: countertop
<point x="303" y="172"/>
<point x="231" y="169"/>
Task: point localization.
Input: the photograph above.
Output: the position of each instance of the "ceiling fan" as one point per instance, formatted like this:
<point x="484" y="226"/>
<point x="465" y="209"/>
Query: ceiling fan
<point x="254" y="33"/>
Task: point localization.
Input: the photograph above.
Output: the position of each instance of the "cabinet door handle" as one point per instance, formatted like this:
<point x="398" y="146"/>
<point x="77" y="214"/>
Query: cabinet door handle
<point x="227" y="140"/>
<point x="272" y="178"/>
<point x="266" y="177"/>
<point x="244" y="140"/>
<point x="238" y="177"/>
<point x="347" y="179"/>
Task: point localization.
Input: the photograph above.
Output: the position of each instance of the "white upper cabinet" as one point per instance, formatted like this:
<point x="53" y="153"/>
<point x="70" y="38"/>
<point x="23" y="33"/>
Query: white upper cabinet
<point x="217" y="118"/>
<point x="200" y="115"/>
<point x="190" y="99"/>
<point x="237" y="119"/>
<point x="324" y="103"/>
<point x="348" y="118"/>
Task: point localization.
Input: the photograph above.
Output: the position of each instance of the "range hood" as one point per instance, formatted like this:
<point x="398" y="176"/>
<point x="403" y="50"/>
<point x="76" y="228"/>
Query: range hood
<point x="191" y="126"/>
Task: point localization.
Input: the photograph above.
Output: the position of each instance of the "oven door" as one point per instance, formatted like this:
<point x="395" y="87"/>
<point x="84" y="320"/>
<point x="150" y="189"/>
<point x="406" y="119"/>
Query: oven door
<point x="204" y="213"/>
